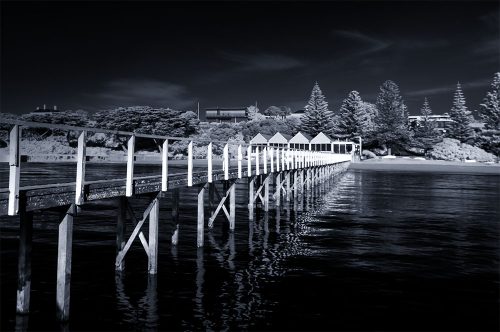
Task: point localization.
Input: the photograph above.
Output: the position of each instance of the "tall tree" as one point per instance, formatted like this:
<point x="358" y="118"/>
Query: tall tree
<point x="490" y="108"/>
<point x="392" y="120"/>
<point x="317" y="118"/>
<point x="425" y="134"/>
<point x="353" y="117"/>
<point x="489" y="137"/>
<point x="460" y="127"/>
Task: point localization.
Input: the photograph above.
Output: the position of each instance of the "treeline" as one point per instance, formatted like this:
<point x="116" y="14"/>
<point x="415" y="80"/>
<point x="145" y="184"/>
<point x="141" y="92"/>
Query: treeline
<point x="383" y="125"/>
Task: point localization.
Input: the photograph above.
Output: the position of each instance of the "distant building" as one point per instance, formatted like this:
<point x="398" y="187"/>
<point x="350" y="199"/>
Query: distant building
<point x="44" y="109"/>
<point x="442" y="122"/>
<point x="224" y="114"/>
<point x="297" y="114"/>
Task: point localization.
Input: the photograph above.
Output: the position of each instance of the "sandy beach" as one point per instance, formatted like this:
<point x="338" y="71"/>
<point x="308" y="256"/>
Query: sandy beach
<point x="415" y="165"/>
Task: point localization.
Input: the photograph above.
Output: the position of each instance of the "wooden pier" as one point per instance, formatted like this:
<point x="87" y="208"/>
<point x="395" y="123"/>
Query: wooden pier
<point x="272" y="173"/>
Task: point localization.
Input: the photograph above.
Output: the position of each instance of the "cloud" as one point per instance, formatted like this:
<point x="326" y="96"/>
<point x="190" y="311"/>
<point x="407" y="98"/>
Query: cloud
<point x="263" y="61"/>
<point x="371" y="44"/>
<point x="374" y="45"/>
<point x="132" y="92"/>
<point x="448" y="88"/>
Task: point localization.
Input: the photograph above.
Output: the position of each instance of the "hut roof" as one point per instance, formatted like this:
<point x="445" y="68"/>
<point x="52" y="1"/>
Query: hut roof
<point x="260" y="139"/>
<point x="280" y="138"/>
<point x="321" y="139"/>
<point x="300" y="137"/>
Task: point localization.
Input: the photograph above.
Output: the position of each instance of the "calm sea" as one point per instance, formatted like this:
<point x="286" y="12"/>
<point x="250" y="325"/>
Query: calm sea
<point x="366" y="251"/>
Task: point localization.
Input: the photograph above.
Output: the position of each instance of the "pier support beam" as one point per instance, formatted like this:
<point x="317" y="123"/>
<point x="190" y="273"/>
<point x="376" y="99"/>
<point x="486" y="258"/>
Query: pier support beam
<point x="232" y="206"/>
<point x="251" y="187"/>
<point x="120" y="229"/>
<point x="64" y="253"/>
<point x="154" y="216"/>
<point x="175" y="216"/>
<point x="24" y="264"/>
<point x="201" y="217"/>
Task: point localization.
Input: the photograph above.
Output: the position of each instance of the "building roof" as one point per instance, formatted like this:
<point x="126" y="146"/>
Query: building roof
<point x="300" y="137"/>
<point x="260" y="139"/>
<point x="321" y="139"/>
<point x="280" y="138"/>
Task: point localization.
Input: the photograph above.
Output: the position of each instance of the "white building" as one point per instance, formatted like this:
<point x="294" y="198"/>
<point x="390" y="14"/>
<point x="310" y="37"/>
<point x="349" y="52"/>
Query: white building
<point x="279" y="140"/>
<point x="300" y="141"/>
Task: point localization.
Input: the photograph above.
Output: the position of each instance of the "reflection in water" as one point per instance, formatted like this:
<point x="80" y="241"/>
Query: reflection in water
<point x="22" y="322"/>
<point x="422" y="244"/>
<point x="145" y="313"/>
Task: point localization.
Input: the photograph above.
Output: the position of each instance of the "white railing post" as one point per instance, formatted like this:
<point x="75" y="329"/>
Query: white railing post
<point x="129" y="188"/>
<point x="249" y="161"/>
<point x="190" y="164"/>
<point x="209" y="161"/>
<point x="283" y="159"/>
<point x="164" y="166"/>
<point x="225" y="162"/>
<point x="240" y="160"/>
<point x="277" y="159"/>
<point x="264" y="157"/>
<point x="80" y="168"/>
<point x="271" y="154"/>
<point x="257" y="162"/>
<point x="14" y="169"/>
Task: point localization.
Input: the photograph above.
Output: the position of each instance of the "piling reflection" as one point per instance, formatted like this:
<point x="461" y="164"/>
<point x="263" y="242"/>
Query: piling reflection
<point x="144" y="314"/>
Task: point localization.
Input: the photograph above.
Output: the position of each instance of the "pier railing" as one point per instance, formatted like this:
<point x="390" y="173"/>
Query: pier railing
<point x="239" y="159"/>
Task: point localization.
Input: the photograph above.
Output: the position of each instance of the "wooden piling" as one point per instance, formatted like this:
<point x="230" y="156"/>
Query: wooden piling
<point x="120" y="229"/>
<point x="251" y="183"/>
<point x="175" y="216"/>
<point x="201" y="217"/>
<point x="64" y="253"/>
<point x="154" y="215"/>
<point x="24" y="261"/>
<point x="232" y="206"/>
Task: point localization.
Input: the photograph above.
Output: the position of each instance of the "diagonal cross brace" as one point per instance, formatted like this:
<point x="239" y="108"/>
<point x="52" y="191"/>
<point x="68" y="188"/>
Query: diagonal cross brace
<point x="123" y="252"/>
<point x="257" y="193"/>
<point x="220" y="206"/>
<point x="135" y="222"/>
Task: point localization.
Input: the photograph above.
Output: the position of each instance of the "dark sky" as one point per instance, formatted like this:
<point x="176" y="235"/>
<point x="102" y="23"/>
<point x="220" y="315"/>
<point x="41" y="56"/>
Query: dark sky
<point x="92" y="55"/>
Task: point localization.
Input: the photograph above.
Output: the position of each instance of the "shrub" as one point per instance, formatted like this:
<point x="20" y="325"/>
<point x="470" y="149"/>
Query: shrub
<point x="368" y="154"/>
<point x="452" y="149"/>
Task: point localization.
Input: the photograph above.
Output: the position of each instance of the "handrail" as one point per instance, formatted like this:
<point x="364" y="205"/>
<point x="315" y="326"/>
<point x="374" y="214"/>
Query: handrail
<point x="105" y="131"/>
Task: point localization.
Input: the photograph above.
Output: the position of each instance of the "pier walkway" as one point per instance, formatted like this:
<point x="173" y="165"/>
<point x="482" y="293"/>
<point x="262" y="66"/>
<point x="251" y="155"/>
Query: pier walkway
<point x="38" y="186"/>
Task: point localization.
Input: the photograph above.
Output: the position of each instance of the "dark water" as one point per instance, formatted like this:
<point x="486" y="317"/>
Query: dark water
<point x="366" y="251"/>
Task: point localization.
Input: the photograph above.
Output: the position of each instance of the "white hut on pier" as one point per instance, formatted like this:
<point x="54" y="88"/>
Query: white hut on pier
<point x="260" y="140"/>
<point x="321" y="142"/>
<point x="300" y="141"/>
<point x="279" y="140"/>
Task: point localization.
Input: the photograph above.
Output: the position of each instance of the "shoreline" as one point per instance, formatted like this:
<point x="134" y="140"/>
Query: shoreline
<point x="412" y="165"/>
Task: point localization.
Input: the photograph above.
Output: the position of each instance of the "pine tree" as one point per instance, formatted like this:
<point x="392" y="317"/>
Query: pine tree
<point x="425" y="134"/>
<point x="490" y="108"/>
<point x="392" y="119"/>
<point x="317" y="118"/>
<point x="489" y="137"/>
<point x="460" y="127"/>
<point x="355" y="119"/>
